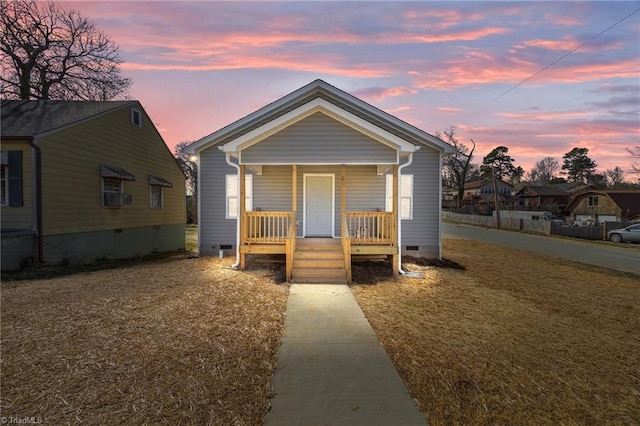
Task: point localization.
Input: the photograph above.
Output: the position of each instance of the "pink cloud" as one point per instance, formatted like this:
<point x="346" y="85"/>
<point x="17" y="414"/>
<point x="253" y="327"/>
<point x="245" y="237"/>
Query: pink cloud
<point x="448" y="109"/>
<point x="380" y="93"/>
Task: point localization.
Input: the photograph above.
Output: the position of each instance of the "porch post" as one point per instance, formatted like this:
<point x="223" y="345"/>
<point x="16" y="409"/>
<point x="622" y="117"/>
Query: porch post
<point x="294" y="190"/>
<point x="241" y="211"/>
<point x="346" y="242"/>
<point x="396" y="215"/>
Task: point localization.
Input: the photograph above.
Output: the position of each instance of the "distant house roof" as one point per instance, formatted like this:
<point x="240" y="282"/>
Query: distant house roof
<point x="627" y="201"/>
<point x="32" y="118"/>
<point x="536" y="190"/>
<point x="320" y="91"/>
<point x="475" y="184"/>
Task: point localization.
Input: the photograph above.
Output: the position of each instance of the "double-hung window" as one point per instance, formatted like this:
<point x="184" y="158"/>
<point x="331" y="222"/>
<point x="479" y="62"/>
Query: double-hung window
<point x="11" y="178"/>
<point x="405" y="196"/>
<point x="233" y="205"/>
<point x="593" y="201"/>
<point x="113" y="194"/>
<point x="156" y="192"/>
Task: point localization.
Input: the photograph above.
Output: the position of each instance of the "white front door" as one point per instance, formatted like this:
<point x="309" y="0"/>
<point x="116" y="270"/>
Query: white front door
<point x="318" y="205"/>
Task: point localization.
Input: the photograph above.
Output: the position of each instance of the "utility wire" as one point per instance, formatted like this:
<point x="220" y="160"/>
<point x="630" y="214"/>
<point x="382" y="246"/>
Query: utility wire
<point x="564" y="56"/>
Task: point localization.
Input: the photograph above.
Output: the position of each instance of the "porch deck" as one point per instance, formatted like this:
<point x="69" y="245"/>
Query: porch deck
<point x="318" y="259"/>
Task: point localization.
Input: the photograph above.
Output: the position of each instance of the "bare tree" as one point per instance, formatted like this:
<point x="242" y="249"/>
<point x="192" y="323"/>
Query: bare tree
<point x="614" y="177"/>
<point x="190" y="169"/>
<point x="50" y="53"/>
<point x="456" y="167"/>
<point x="544" y="171"/>
<point x="635" y="154"/>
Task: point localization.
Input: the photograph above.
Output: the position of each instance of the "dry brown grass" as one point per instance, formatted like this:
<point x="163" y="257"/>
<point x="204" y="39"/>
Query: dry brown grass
<point x="182" y="341"/>
<point x="516" y="338"/>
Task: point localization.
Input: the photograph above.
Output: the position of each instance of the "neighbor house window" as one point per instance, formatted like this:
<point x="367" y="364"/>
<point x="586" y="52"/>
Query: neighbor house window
<point x="136" y="117"/>
<point x="232" y="195"/>
<point x="156" y="196"/>
<point x="4" y="185"/>
<point x="593" y="201"/>
<point x="405" y="196"/>
<point x="156" y="185"/>
<point x="113" y="194"/>
<point x="11" y="178"/>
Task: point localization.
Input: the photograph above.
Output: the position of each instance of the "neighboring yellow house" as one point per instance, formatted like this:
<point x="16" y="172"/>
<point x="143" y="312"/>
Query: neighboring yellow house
<point x="84" y="180"/>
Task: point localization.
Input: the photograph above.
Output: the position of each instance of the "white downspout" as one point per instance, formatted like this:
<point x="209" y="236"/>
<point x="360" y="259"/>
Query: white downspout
<point x="408" y="163"/>
<point x="237" y="167"/>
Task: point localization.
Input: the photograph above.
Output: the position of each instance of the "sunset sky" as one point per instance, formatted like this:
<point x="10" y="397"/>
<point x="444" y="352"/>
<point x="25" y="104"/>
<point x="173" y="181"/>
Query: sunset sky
<point x="198" y="66"/>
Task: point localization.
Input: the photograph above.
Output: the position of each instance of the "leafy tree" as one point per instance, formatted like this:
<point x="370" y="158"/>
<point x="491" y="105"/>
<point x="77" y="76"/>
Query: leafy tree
<point x="517" y="175"/>
<point x="500" y="161"/>
<point x="50" y="53"/>
<point x="190" y="169"/>
<point x="456" y="167"/>
<point x="578" y="166"/>
<point x="544" y="171"/>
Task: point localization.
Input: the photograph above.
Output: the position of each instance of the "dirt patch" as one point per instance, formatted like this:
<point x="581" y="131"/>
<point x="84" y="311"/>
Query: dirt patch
<point x="183" y="341"/>
<point x="516" y="338"/>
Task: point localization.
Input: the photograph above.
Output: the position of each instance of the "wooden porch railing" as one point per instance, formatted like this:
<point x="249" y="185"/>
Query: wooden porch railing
<point x="370" y="227"/>
<point x="267" y="227"/>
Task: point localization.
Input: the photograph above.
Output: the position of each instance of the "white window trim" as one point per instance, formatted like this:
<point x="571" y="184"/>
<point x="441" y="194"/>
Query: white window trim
<point x="151" y="187"/>
<point x="389" y="195"/>
<point x="248" y="193"/>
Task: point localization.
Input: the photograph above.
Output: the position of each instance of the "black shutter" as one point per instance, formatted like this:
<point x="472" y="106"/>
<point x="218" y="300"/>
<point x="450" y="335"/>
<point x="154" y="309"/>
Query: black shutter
<point x="14" y="158"/>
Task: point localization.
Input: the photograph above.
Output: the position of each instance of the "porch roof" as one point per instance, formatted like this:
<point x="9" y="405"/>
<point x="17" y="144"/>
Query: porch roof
<point x="319" y="96"/>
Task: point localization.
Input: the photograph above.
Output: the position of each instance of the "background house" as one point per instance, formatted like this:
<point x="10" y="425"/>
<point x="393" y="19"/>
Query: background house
<point x="320" y="167"/>
<point x="86" y="180"/>
<point x="482" y="189"/>
<point x="604" y="206"/>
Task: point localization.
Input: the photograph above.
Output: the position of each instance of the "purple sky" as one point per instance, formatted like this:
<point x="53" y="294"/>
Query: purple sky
<point x="198" y="66"/>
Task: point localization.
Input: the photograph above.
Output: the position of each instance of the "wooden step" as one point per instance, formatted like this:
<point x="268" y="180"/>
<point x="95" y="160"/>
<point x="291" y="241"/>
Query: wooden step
<point x="319" y="280"/>
<point x="319" y="260"/>
<point x="318" y="242"/>
<point x="319" y="272"/>
<point x="318" y="263"/>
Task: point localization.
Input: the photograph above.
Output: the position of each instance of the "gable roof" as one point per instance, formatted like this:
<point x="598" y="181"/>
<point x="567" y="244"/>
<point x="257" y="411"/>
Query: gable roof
<point x="32" y="118"/>
<point x="537" y="190"/>
<point x="475" y="184"/>
<point x="328" y="98"/>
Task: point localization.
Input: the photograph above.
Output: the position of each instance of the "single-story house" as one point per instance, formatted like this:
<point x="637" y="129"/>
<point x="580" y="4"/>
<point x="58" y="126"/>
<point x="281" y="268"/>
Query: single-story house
<point x="86" y="180"/>
<point x="320" y="176"/>
<point x="604" y="206"/>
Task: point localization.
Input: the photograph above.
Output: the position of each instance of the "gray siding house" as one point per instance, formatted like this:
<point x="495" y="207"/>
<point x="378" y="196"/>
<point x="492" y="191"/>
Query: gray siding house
<point x="322" y="177"/>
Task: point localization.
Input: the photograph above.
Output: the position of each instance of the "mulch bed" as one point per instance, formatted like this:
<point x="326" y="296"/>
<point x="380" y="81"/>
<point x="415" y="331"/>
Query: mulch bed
<point x="515" y="338"/>
<point x="182" y="341"/>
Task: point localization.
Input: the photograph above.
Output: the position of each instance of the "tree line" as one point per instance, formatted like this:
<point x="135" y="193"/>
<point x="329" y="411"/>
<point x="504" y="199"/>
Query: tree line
<point x="575" y="166"/>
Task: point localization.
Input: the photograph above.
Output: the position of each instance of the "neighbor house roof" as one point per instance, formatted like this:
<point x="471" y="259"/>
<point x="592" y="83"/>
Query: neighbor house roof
<point x="320" y="91"/>
<point x="32" y="118"/>
<point x="475" y="184"/>
<point x="536" y="190"/>
<point x="627" y="201"/>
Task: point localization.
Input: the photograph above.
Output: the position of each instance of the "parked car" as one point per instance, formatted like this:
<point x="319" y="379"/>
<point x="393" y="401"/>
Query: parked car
<point x="630" y="233"/>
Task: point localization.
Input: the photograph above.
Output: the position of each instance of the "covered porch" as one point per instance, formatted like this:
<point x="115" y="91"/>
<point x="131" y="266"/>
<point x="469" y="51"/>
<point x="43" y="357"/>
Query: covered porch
<point x="310" y="258"/>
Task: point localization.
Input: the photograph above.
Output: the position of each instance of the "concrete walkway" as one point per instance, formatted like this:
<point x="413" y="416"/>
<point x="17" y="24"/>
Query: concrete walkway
<point x="332" y="370"/>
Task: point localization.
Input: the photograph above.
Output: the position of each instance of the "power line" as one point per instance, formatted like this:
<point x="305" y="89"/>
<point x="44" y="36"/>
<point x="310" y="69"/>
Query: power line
<point x="564" y="56"/>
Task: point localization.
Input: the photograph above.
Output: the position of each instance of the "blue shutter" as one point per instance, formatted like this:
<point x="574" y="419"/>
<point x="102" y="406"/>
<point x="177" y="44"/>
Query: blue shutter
<point x="14" y="158"/>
